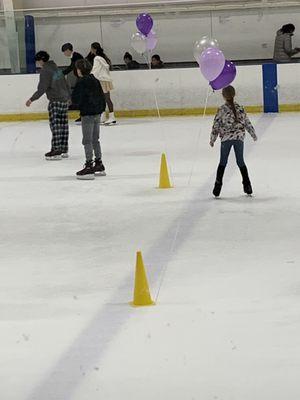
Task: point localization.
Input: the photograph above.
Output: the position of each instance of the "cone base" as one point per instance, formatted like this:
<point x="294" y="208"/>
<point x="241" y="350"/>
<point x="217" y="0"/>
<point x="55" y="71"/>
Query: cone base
<point x="166" y="187"/>
<point x="142" y="305"/>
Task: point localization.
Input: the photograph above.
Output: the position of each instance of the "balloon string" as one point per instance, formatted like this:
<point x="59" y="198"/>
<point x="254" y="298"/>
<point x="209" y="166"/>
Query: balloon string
<point x="180" y="219"/>
<point x="198" y="137"/>
<point x="147" y="57"/>
<point x="148" y="61"/>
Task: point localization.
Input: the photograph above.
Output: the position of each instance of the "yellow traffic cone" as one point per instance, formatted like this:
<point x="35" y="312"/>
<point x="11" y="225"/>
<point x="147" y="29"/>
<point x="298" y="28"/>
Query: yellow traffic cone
<point x="142" y="296"/>
<point x="164" y="180"/>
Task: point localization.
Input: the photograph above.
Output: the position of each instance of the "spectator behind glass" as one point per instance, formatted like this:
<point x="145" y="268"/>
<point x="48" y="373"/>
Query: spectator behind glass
<point x="129" y="62"/>
<point x="283" y="49"/>
<point x="156" y="62"/>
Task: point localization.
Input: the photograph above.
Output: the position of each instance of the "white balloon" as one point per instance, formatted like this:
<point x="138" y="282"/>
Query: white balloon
<point x="139" y="42"/>
<point x="204" y="43"/>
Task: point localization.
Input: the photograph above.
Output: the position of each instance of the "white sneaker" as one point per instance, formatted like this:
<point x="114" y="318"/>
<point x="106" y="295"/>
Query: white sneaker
<point x="111" y="119"/>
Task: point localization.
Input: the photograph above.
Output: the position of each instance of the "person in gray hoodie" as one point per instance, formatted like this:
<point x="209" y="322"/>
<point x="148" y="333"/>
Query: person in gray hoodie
<point x="53" y="83"/>
<point x="283" y="49"/>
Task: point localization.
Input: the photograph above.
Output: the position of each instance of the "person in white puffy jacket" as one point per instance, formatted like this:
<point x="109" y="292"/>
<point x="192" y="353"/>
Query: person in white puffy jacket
<point x="101" y="70"/>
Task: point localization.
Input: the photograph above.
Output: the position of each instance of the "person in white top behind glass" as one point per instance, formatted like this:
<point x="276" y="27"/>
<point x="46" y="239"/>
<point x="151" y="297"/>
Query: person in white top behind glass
<point x="101" y="70"/>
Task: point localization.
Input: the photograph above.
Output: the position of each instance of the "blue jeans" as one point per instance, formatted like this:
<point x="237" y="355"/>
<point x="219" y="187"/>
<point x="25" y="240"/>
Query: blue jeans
<point x="238" y="146"/>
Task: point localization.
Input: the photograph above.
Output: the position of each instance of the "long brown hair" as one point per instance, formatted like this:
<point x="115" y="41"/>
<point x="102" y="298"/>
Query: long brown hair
<point x="100" y="52"/>
<point x="229" y="95"/>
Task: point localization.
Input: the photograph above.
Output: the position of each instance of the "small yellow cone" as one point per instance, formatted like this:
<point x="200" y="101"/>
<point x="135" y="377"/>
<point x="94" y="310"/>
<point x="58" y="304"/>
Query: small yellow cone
<point x="164" y="180"/>
<point x="142" y="295"/>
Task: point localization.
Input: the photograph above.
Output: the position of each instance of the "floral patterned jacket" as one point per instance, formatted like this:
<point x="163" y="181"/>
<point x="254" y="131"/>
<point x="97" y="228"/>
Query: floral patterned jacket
<point x="228" y="128"/>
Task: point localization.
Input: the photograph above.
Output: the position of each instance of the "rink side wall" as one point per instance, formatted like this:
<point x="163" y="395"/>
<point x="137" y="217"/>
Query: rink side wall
<point x="178" y="92"/>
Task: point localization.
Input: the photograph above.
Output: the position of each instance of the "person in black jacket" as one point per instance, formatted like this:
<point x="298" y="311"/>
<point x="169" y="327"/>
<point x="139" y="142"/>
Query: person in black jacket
<point x="71" y="71"/>
<point x="156" y="62"/>
<point x="89" y="96"/>
<point x="129" y="62"/>
<point x="68" y="51"/>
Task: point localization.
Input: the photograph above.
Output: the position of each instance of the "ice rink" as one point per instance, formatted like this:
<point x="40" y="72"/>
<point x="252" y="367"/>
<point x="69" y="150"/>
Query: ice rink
<point x="224" y="273"/>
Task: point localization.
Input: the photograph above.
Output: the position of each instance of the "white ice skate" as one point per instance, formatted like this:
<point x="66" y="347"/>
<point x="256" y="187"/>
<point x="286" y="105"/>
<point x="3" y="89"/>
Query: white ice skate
<point x="111" y="120"/>
<point x="103" y="118"/>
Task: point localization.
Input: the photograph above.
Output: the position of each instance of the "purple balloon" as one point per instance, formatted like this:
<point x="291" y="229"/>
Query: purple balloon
<point x="144" y="23"/>
<point x="226" y="77"/>
<point x="151" y="41"/>
<point x="211" y="63"/>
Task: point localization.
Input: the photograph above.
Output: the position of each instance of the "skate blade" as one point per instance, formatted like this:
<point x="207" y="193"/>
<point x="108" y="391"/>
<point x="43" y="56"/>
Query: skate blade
<point x="103" y="173"/>
<point x="65" y="155"/>
<point x="55" y="158"/>
<point x="110" y="123"/>
<point x="85" y="177"/>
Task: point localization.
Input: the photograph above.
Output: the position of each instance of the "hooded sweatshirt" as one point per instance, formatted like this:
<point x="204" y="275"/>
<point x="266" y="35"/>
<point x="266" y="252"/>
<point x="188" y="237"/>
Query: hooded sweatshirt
<point x="283" y="49"/>
<point x="53" y="83"/>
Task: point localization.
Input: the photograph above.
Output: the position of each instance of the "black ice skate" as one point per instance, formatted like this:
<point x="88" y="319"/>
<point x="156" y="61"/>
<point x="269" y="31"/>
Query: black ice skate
<point x="219" y="181"/>
<point x="246" y="181"/>
<point x="248" y="188"/>
<point x="217" y="189"/>
<point x="99" y="168"/>
<point x="87" y="173"/>
<point x="53" y="155"/>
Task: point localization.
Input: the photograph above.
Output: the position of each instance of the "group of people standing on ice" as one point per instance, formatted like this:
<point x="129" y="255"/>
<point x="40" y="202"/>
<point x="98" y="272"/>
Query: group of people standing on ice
<point x="91" y="94"/>
<point x="101" y="70"/>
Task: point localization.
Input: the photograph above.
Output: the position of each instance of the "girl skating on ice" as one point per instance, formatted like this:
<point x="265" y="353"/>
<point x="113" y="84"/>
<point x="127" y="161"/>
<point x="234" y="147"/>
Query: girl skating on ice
<point x="101" y="70"/>
<point x="230" y="125"/>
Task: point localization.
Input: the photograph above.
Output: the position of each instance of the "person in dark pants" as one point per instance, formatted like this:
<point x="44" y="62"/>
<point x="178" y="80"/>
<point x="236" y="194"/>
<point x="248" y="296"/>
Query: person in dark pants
<point x="129" y="62"/>
<point x="53" y="83"/>
<point x="89" y="96"/>
<point x="69" y="52"/>
<point x="230" y="125"/>
<point x="101" y="70"/>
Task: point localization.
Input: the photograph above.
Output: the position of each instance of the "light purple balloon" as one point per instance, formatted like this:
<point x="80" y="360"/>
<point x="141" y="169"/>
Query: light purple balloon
<point x="211" y="62"/>
<point x="144" y="23"/>
<point x="226" y="77"/>
<point x="151" y="41"/>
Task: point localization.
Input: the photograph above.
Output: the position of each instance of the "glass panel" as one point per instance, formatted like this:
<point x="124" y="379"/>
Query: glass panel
<point x="242" y="34"/>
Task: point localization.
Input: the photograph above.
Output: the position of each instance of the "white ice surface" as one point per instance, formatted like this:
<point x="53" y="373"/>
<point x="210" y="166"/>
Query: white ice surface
<point x="225" y="273"/>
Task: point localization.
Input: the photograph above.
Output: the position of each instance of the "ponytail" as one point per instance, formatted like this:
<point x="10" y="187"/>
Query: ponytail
<point x="229" y="94"/>
<point x="232" y="106"/>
